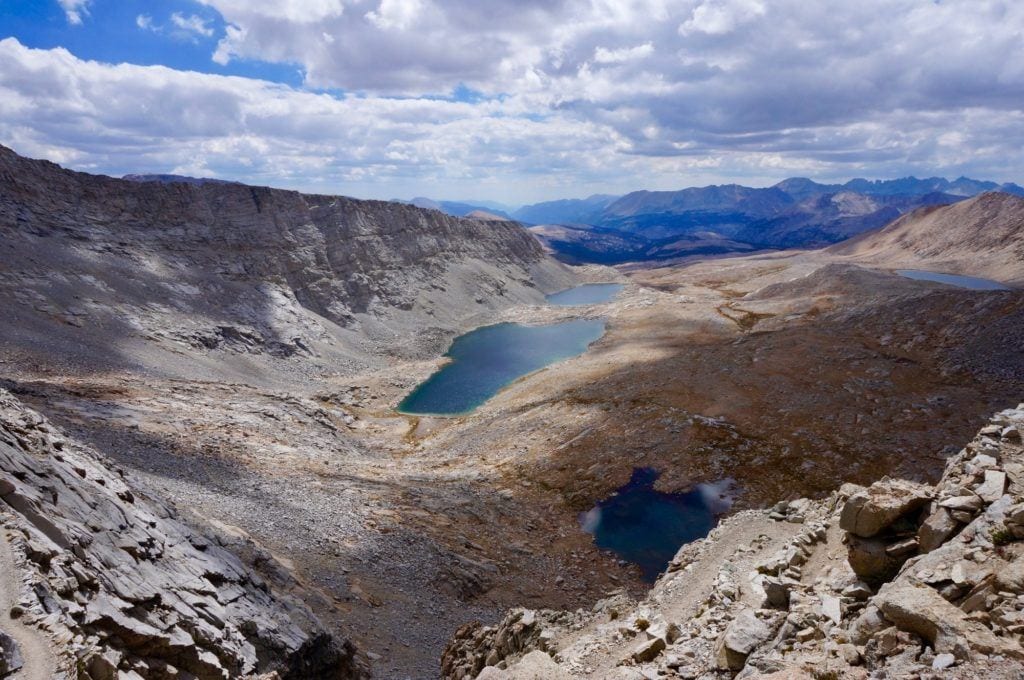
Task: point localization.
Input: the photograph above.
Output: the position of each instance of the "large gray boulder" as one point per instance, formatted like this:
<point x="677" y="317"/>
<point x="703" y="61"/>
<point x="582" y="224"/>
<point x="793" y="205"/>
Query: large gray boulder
<point x="743" y="635"/>
<point x="936" y="530"/>
<point x="869" y="512"/>
<point x="10" y="655"/>
<point x="919" y="609"/>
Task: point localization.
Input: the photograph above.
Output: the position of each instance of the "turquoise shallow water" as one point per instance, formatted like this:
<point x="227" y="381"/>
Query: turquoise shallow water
<point x="487" y="359"/>
<point x="587" y="294"/>
<point x="647" y="527"/>
<point x="971" y="282"/>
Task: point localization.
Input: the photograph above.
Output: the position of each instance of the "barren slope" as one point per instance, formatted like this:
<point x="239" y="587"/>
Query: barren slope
<point x="158" y="271"/>
<point x="982" y="236"/>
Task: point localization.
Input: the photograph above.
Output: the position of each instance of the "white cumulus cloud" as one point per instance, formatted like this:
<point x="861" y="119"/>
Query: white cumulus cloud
<point x="192" y="24"/>
<point x="398" y="14"/>
<point x="74" y="10"/>
<point x="587" y="94"/>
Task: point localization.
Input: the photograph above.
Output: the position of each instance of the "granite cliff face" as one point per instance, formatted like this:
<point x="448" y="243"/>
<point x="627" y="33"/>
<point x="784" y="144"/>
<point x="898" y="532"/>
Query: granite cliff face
<point x="245" y="269"/>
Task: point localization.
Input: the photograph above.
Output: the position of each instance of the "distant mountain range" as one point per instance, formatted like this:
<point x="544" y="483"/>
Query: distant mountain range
<point x="666" y="225"/>
<point x="795" y="213"/>
<point x="460" y="209"/>
<point x="566" y="211"/>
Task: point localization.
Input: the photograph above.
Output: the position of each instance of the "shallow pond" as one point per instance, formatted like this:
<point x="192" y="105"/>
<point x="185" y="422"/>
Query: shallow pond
<point x="971" y="282"/>
<point x="487" y="359"/>
<point x="587" y="294"/>
<point x="647" y="527"/>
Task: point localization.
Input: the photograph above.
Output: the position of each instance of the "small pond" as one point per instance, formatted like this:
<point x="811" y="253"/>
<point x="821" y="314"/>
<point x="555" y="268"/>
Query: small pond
<point x="587" y="294"/>
<point x="487" y="359"/>
<point x="971" y="282"/>
<point x="647" y="527"/>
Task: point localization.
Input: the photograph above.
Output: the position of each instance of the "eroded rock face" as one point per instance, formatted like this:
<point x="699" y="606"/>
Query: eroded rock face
<point x="124" y="585"/>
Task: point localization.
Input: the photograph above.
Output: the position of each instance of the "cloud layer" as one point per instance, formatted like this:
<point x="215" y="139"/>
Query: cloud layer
<point x="568" y="96"/>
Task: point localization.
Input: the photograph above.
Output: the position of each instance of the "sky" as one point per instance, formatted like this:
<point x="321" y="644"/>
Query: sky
<point x="516" y="101"/>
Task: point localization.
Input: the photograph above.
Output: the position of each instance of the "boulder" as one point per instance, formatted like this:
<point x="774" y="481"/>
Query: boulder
<point x="869" y="512"/>
<point x="536" y="665"/>
<point x="992" y="488"/>
<point x="648" y="650"/>
<point x="968" y="502"/>
<point x="1010" y="578"/>
<point x="10" y="655"/>
<point x="743" y="635"/>
<point x="776" y="592"/>
<point x="936" y="530"/>
<point x="870" y="559"/>
<point x="667" y="631"/>
<point x="1015" y="514"/>
<point x="832" y="608"/>
<point x="921" y="610"/>
<point x="868" y="624"/>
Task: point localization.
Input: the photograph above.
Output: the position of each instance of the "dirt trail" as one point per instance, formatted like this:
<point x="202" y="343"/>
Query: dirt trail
<point x="35" y="648"/>
<point x="683" y="599"/>
<point x="685" y="602"/>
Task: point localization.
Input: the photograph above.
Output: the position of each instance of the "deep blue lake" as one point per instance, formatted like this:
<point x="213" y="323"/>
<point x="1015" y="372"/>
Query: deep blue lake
<point x="647" y="527"/>
<point x="970" y="282"/>
<point x="587" y="294"/>
<point x="487" y="359"/>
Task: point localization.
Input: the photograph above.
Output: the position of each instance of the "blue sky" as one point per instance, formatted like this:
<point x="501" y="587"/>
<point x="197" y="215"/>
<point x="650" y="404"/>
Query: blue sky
<point x="516" y="100"/>
<point x="110" y="32"/>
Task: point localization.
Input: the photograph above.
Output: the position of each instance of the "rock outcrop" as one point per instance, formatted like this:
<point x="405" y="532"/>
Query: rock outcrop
<point x="10" y="655"/>
<point x="895" y="580"/>
<point x="126" y="588"/>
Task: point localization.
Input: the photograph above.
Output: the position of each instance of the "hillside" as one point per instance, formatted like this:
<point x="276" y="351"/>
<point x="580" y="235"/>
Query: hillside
<point x="157" y="269"/>
<point x="981" y="236"/>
